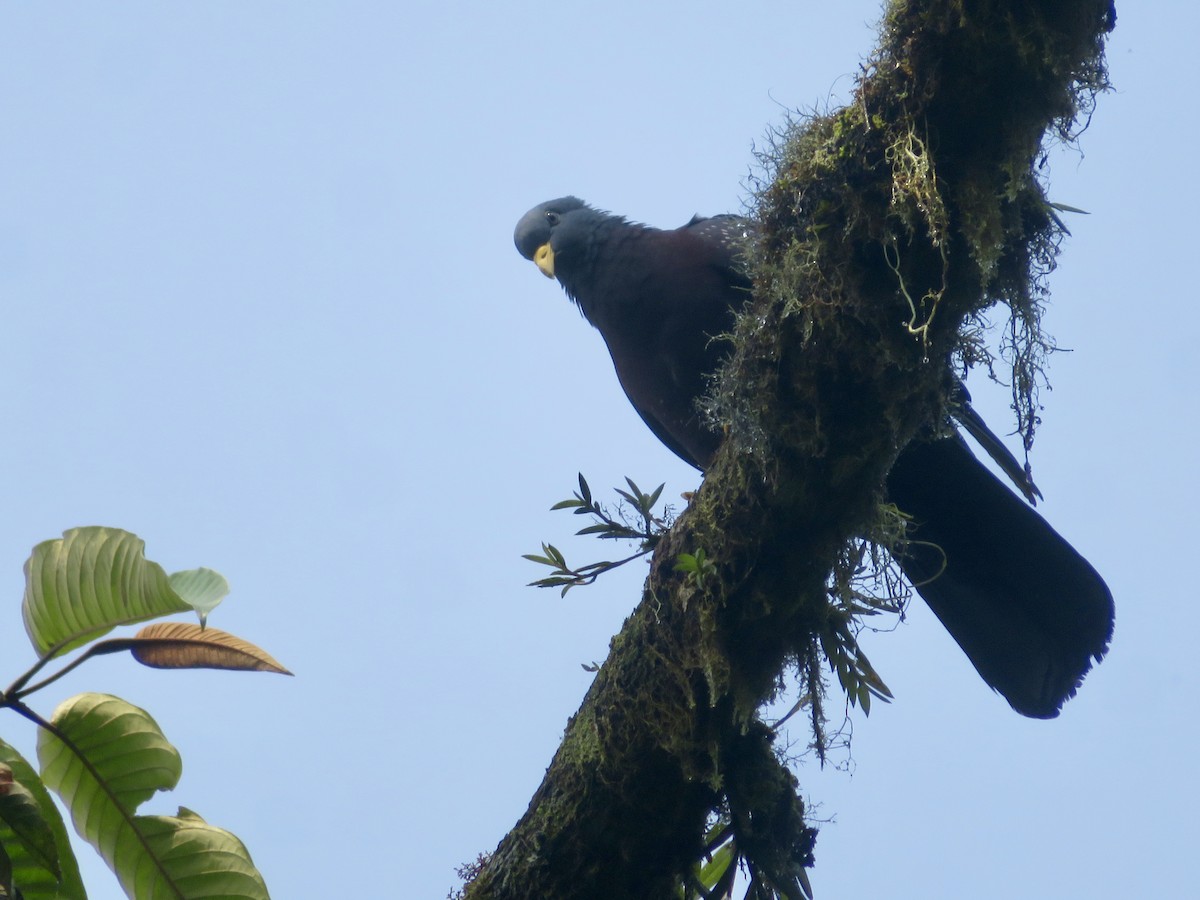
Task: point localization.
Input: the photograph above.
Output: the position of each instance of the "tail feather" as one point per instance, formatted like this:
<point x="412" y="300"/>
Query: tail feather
<point x="1030" y="612"/>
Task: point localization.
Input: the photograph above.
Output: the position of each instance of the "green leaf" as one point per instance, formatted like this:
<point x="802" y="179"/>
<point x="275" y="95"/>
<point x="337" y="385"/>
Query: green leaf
<point x="153" y="856"/>
<point x="125" y="747"/>
<point x="553" y="581"/>
<point x="203" y="861"/>
<point x="653" y="499"/>
<point x="631" y="499"/>
<point x="598" y="528"/>
<point x="19" y="814"/>
<point x="715" y="869"/>
<point x="86" y="583"/>
<point x="6" y="873"/>
<point x="201" y="589"/>
<point x="32" y="873"/>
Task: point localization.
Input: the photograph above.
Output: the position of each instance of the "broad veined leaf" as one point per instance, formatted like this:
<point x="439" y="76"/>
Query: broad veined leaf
<point x="204" y="861"/>
<point x="37" y="868"/>
<point x="87" y="582"/>
<point x="154" y="857"/>
<point x="202" y="589"/>
<point x="24" y="824"/>
<point x="182" y="645"/>
<point x="126" y="750"/>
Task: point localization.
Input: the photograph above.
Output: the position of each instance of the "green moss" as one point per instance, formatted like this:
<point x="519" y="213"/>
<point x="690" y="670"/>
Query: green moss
<point x="893" y="226"/>
<point x="888" y="230"/>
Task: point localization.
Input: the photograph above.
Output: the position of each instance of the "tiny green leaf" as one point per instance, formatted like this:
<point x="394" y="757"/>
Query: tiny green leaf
<point x="602" y="527"/>
<point x="654" y="497"/>
<point x="632" y="499"/>
<point x="202" y="589"/>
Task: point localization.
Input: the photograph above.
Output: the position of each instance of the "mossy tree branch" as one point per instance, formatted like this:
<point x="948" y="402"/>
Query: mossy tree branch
<point x="886" y="228"/>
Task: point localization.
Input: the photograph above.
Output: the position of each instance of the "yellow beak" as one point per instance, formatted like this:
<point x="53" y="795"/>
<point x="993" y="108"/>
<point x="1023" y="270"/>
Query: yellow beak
<point x="544" y="258"/>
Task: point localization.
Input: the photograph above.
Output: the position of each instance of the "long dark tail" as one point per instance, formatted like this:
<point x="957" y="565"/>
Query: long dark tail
<point x="1026" y="608"/>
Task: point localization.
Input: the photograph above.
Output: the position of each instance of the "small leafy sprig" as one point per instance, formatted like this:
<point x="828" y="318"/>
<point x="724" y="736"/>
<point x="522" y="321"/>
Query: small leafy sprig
<point x="713" y="876"/>
<point x="696" y="566"/>
<point x="633" y="520"/>
<point x="864" y="585"/>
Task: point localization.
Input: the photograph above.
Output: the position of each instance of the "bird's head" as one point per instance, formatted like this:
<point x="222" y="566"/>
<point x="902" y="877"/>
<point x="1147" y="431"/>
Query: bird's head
<point x="558" y="231"/>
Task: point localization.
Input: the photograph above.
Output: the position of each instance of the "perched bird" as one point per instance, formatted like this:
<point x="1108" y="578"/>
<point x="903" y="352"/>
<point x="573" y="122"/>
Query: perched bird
<point x="1030" y="612"/>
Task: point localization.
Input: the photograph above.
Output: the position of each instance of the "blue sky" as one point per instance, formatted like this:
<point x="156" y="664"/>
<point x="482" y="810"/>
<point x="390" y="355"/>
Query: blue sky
<point x="262" y="308"/>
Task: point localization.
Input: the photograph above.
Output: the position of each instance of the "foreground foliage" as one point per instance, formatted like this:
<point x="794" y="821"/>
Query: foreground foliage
<point x="102" y="756"/>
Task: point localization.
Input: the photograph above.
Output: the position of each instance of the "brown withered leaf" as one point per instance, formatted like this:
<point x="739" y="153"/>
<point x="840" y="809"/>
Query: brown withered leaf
<point x="183" y="645"/>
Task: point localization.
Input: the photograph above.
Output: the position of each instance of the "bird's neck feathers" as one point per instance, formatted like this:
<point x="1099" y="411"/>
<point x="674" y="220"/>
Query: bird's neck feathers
<point x="586" y="269"/>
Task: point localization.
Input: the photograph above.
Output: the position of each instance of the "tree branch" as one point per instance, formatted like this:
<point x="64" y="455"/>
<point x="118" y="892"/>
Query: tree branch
<point x="886" y="227"/>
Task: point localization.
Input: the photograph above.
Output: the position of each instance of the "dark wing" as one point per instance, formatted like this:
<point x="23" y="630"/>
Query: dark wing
<point x="730" y="237"/>
<point x="668" y="298"/>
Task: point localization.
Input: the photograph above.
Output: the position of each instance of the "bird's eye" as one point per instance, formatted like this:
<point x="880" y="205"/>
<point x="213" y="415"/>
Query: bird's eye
<point x="551" y="217"/>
